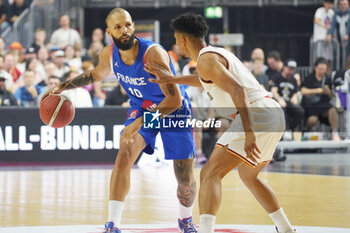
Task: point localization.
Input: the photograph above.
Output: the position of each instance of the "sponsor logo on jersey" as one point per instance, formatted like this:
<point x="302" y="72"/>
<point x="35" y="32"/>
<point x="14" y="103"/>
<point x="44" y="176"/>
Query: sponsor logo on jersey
<point x="133" y="114"/>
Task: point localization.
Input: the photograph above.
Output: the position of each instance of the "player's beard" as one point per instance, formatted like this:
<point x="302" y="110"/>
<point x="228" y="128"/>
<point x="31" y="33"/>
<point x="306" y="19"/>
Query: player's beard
<point x="124" y="46"/>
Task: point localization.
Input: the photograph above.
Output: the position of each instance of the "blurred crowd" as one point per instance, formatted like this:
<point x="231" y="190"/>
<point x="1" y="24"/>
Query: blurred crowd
<point x="309" y="100"/>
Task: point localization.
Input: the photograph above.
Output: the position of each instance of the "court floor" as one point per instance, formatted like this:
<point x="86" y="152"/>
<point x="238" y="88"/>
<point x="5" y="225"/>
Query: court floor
<point x="312" y="188"/>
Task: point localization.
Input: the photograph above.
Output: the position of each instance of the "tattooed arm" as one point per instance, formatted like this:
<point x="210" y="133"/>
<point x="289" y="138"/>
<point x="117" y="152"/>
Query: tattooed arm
<point x="100" y="72"/>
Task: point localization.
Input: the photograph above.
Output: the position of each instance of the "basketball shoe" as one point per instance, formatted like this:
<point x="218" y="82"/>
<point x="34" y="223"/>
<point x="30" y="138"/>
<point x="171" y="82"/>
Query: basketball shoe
<point x="186" y="225"/>
<point x="293" y="231"/>
<point x="110" y="228"/>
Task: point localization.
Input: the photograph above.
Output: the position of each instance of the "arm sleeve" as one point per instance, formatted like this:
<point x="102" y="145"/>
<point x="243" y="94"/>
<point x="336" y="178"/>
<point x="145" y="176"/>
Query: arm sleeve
<point x="77" y="38"/>
<point x="53" y="39"/>
<point x="333" y="23"/>
<point x="318" y="13"/>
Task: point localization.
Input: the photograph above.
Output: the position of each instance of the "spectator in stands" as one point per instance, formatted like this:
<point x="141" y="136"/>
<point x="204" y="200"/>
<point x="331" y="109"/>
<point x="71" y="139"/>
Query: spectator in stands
<point x="50" y="70"/>
<point x="101" y="89"/>
<point x="16" y="50"/>
<point x="274" y="63"/>
<point x="10" y="67"/>
<point x="59" y="59"/>
<point x="246" y="63"/>
<point x="79" y="96"/>
<point x="3" y="16"/>
<point x="322" y="23"/>
<point x="340" y="27"/>
<point x="43" y="55"/>
<point x="16" y="10"/>
<point x="97" y="35"/>
<point x="284" y="90"/>
<point x="28" y="54"/>
<point x="259" y="54"/>
<point x="258" y="67"/>
<point x="39" y="40"/>
<point x="2" y="46"/>
<point x="6" y="97"/>
<point x="51" y="82"/>
<point x="16" y="46"/>
<point x="117" y="96"/>
<point x="65" y="35"/>
<point x="322" y="20"/>
<point x="188" y="68"/>
<point x="27" y="96"/>
<point x="52" y="50"/>
<point x="7" y="77"/>
<point x="94" y="52"/>
<point x="317" y="93"/>
<point x="32" y="64"/>
<point x="73" y="62"/>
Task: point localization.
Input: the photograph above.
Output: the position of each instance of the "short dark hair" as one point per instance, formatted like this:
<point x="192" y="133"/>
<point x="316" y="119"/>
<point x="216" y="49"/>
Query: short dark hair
<point x="274" y="54"/>
<point x="190" y="23"/>
<point x="320" y="60"/>
<point x="53" y="77"/>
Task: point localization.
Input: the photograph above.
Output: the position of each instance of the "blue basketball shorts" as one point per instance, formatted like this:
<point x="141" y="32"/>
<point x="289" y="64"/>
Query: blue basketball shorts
<point x="177" y="142"/>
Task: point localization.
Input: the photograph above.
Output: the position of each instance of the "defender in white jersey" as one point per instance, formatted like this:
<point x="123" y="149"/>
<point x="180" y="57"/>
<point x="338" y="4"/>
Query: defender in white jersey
<point x="257" y="127"/>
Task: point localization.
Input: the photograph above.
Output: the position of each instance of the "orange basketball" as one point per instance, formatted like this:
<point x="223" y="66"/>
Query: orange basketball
<point x="56" y="111"/>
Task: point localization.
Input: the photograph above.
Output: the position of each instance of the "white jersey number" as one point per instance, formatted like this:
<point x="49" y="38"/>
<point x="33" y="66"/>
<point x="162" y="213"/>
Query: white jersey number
<point x="135" y="92"/>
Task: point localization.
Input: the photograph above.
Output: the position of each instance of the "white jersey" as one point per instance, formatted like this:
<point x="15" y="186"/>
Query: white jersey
<point x="222" y="100"/>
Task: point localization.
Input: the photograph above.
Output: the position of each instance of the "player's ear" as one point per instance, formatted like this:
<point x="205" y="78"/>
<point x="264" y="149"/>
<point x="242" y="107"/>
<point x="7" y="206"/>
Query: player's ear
<point x="183" y="40"/>
<point x="108" y="31"/>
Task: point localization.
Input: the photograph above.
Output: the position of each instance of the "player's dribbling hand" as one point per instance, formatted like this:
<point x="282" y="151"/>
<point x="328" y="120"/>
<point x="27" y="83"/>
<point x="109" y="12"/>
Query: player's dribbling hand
<point x="251" y="148"/>
<point x="162" y="74"/>
<point x="50" y="92"/>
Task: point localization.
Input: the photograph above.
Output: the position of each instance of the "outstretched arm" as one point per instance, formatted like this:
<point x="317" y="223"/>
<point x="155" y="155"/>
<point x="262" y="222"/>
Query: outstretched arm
<point x="100" y="72"/>
<point x="164" y="76"/>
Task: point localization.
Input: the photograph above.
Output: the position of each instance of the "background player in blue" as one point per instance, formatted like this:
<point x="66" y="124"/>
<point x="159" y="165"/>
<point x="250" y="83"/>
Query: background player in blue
<point x="126" y="57"/>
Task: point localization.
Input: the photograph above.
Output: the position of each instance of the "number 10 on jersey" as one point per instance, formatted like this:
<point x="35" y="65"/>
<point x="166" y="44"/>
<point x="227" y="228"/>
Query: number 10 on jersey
<point x="135" y="92"/>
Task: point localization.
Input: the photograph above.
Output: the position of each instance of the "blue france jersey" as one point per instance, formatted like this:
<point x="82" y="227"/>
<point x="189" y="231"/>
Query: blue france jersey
<point x="134" y="79"/>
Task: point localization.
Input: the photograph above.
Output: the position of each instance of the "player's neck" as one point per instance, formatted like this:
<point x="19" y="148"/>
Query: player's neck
<point x="129" y="56"/>
<point x="196" y="48"/>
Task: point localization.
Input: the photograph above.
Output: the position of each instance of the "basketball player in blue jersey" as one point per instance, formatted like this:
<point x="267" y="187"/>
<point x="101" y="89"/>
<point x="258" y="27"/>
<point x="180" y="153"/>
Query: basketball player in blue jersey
<point x="126" y="57"/>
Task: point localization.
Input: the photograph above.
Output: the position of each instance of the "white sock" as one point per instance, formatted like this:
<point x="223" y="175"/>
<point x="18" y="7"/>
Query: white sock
<point x="115" y="210"/>
<point x="281" y="221"/>
<point x="206" y="223"/>
<point x="185" y="212"/>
